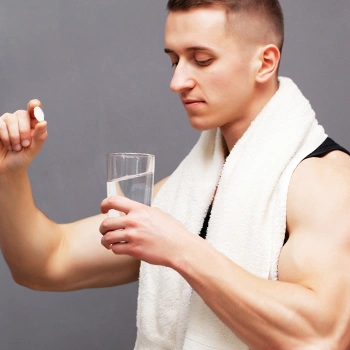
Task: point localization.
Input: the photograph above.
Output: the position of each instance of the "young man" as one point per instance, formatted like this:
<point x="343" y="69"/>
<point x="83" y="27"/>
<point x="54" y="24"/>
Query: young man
<point x="243" y="286"/>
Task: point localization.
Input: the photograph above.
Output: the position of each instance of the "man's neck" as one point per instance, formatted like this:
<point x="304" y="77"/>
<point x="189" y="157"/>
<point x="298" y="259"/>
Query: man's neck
<point x="233" y="131"/>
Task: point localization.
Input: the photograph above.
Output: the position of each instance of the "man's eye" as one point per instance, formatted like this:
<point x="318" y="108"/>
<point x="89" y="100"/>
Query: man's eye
<point x="203" y="63"/>
<point x="174" y="64"/>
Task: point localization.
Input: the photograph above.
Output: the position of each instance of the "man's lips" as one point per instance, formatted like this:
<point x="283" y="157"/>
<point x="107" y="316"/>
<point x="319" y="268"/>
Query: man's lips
<point x="189" y="103"/>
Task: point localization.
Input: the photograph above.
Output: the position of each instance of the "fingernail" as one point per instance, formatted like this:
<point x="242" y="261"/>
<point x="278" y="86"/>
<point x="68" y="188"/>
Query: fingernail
<point x="17" y="148"/>
<point x="25" y="143"/>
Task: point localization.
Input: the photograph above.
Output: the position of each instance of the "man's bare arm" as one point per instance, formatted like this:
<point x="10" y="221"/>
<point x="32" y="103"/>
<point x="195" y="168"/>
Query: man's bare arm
<point x="88" y="263"/>
<point x="40" y="253"/>
<point x="53" y="257"/>
<point x="308" y="308"/>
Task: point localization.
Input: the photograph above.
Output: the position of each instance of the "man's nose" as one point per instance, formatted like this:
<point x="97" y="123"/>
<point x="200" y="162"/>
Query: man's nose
<point x="182" y="79"/>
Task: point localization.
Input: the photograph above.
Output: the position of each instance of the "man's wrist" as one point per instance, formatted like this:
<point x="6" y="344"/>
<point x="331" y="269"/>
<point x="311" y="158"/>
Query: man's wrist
<point x="190" y="258"/>
<point x="12" y="178"/>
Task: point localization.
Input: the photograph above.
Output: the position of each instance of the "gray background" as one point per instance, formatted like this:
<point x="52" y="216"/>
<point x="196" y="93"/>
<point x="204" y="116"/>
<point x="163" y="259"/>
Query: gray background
<point x="99" y="69"/>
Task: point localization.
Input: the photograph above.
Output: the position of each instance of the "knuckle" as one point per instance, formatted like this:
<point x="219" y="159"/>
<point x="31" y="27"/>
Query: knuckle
<point x="20" y="112"/>
<point x="4" y="138"/>
<point x="118" y="249"/>
<point x="24" y="130"/>
<point x="111" y="201"/>
<point x="103" y="242"/>
<point x="104" y="226"/>
<point x="13" y="131"/>
<point x="132" y="222"/>
<point x="157" y="210"/>
<point x="2" y="125"/>
<point x="145" y="213"/>
<point x="21" y="116"/>
<point x="12" y="120"/>
<point x="128" y="236"/>
<point x="109" y="238"/>
<point x="106" y="239"/>
<point x="135" y="250"/>
<point x="144" y="209"/>
<point x="5" y="116"/>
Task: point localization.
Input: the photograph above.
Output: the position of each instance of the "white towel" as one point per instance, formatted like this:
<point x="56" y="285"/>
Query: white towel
<point x="247" y="223"/>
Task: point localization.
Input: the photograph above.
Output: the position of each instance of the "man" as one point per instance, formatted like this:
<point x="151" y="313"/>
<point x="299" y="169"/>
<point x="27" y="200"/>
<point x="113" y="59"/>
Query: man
<point x="226" y="56"/>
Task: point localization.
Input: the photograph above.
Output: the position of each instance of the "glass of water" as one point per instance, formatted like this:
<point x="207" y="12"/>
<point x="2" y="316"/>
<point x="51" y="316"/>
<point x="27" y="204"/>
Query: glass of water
<point x="130" y="175"/>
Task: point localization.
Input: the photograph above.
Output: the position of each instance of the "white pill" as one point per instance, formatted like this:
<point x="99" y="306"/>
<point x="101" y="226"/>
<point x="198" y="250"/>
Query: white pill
<point x="39" y="114"/>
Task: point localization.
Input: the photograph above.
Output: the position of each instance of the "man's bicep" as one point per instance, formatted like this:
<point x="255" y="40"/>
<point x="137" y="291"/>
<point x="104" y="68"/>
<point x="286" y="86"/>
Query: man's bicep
<point x="82" y="262"/>
<point x="322" y="266"/>
<point x="317" y="254"/>
<point x="318" y="211"/>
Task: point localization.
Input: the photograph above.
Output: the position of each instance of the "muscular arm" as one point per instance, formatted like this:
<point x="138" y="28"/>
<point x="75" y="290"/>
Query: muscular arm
<point x="40" y="253"/>
<point x="309" y="307"/>
<point x="44" y="255"/>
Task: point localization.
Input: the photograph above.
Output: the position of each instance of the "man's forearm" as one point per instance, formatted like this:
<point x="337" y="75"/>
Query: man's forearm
<point x="264" y="314"/>
<point x="27" y="237"/>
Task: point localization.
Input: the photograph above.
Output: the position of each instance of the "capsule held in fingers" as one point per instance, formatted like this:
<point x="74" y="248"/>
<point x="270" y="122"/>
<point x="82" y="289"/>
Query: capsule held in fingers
<point x="39" y="114"/>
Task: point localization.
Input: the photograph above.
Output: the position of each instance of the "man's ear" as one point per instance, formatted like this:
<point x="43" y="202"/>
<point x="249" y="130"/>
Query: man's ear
<point x="269" y="58"/>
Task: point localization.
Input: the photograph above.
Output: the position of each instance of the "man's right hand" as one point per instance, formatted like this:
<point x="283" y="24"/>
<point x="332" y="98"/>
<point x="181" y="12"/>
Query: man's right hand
<point x="22" y="137"/>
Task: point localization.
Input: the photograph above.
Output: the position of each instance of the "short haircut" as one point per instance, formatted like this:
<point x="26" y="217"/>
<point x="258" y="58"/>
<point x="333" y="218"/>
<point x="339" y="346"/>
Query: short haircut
<point x="268" y="10"/>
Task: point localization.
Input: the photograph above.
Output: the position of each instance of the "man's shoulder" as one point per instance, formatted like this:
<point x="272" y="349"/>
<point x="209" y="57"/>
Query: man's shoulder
<point x="318" y="188"/>
<point x="326" y="172"/>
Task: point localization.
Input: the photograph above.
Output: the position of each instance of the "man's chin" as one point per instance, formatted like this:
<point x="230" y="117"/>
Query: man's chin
<point x="200" y="125"/>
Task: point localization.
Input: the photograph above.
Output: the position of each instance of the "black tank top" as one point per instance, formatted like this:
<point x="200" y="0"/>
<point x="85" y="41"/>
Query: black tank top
<point x="327" y="146"/>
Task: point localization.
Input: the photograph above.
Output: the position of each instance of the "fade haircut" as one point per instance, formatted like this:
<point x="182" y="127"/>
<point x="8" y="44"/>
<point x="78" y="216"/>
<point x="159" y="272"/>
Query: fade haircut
<point x="267" y="11"/>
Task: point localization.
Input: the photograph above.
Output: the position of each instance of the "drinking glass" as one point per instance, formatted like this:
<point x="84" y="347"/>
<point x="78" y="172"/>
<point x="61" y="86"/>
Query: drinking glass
<point x="130" y="175"/>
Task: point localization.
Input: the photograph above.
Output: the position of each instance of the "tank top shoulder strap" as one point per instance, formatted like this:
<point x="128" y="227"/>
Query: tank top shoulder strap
<point x="327" y="146"/>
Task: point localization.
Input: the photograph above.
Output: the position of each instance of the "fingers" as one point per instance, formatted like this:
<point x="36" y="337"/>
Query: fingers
<point x="39" y="135"/>
<point x="120" y="234"/>
<point x="18" y="129"/>
<point x="114" y="237"/>
<point x="31" y="105"/>
<point x="24" y="128"/>
<point x="112" y="224"/>
<point x="15" y="130"/>
<point x="120" y="203"/>
<point x="113" y="232"/>
<point x="4" y="135"/>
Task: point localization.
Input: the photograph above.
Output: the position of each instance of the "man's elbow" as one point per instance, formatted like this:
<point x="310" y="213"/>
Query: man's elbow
<point x="35" y="281"/>
<point x="30" y="283"/>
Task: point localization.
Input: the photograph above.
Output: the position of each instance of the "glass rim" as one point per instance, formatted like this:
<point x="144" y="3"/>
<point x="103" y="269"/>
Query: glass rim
<point x="131" y="154"/>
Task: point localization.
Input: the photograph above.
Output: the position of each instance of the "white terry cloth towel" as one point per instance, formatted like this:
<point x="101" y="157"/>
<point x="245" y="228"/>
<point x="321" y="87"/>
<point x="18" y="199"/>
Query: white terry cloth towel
<point x="247" y="223"/>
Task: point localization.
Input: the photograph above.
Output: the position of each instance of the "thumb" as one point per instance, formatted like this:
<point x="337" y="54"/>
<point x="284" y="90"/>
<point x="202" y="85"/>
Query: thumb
<point x="39" y="135"/>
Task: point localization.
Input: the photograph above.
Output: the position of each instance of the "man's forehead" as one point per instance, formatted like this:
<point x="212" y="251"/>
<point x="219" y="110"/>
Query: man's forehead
<point x="195" y="24"/>
<point x="197" y="17"/>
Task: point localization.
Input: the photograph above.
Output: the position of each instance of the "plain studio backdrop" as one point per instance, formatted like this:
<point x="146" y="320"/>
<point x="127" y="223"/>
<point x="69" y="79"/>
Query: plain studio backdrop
<point x="100" y="71"/>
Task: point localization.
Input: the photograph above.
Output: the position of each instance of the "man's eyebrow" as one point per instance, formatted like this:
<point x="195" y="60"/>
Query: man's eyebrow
<point x="191" y="48"/>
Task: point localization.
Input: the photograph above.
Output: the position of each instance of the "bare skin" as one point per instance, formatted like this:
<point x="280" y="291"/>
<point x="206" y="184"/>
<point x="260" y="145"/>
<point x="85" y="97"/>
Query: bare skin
<point x="48" y="256"/>
<point x="308" y="308"/>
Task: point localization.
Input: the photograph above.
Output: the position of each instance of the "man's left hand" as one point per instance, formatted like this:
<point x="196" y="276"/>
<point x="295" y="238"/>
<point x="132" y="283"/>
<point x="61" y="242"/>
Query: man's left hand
<point x="145" y="233"/>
